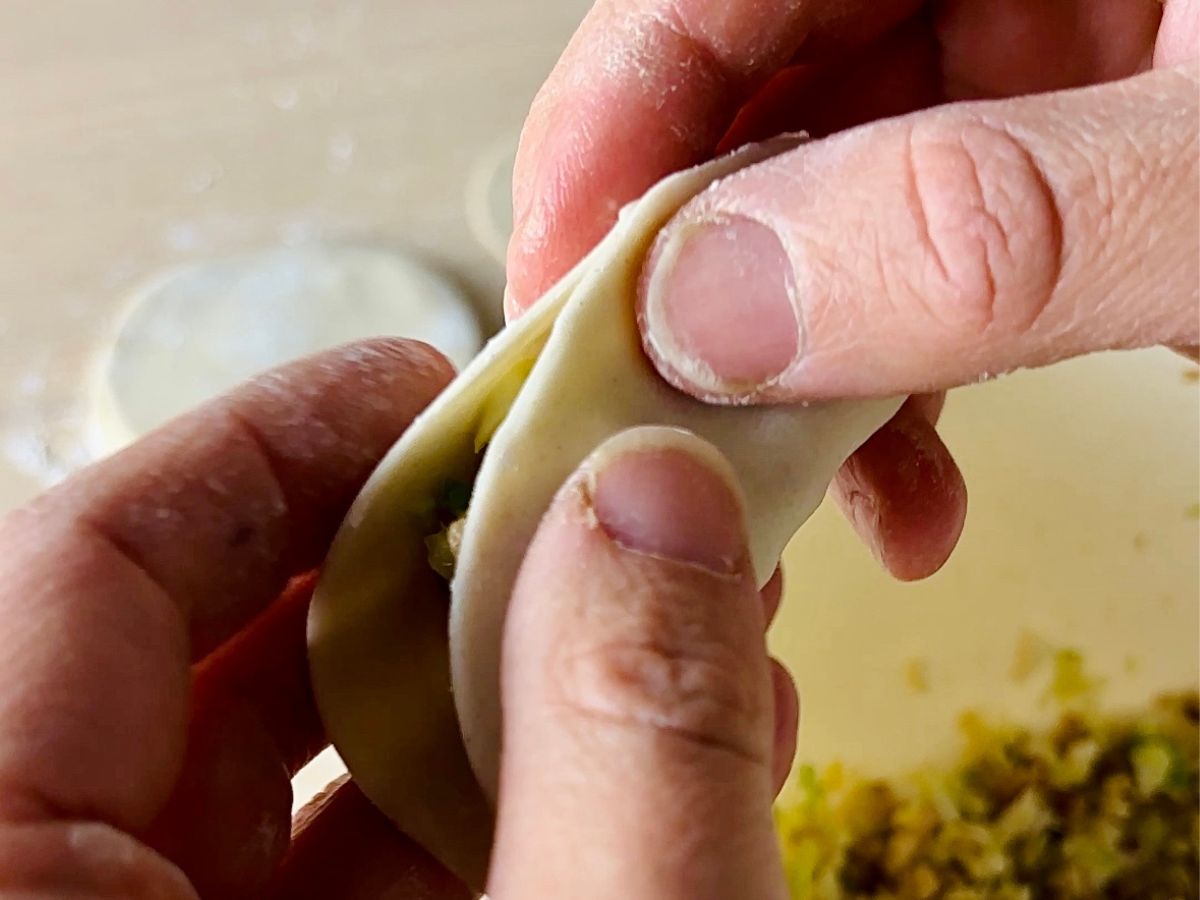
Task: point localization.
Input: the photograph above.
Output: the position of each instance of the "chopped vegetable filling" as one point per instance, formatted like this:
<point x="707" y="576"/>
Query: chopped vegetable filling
<point x="451" y="510"/>
<point x="1094" y="807"/>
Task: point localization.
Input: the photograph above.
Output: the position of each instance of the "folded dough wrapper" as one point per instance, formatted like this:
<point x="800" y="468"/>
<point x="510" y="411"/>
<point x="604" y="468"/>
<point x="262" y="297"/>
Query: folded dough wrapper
<point x="406" y="678"/>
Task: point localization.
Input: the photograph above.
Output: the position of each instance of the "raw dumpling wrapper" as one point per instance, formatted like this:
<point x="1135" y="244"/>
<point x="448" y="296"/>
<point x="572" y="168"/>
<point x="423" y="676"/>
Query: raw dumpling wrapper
<point x="385" y="651"/>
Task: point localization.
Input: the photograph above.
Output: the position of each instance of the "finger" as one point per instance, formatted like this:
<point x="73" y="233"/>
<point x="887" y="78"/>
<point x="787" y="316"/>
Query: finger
<point x="787" y="721"/>
<point x="783" y="690"/>
<point x="224" y="505"/>
<point x="345" y="848"/>
<point x="904" y="494"/>
<point x="67" y="859"/>
<point x="194" y="529"/>
<point x="646" y="87"/>
<point x="1003" y="48"/>
<point x="637" y="694"/>
<point x="1178" y="38"/>
<point x="896" y="74"/>
<point x="264" y="668"/>
<point x="253" y="724"/>
<point x="860" y="61"/>
<point x="930" y="406"/>
<point x="772" y="593"/>
<point x="938" y="249"/>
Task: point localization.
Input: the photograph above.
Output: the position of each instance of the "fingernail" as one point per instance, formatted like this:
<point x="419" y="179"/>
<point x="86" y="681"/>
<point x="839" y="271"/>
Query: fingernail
<point x="665" y="493"/>
<point x="719" y="305"/>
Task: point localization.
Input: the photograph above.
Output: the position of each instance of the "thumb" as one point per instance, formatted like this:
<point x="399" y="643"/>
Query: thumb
<point x="933" y="250"/>
<point x="637" y="690"/>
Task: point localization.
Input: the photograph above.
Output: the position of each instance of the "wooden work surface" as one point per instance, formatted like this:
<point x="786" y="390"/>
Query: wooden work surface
<point x="139" y="134"/>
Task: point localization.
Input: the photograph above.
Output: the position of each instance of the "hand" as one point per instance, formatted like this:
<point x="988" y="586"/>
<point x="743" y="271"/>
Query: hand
<point x="154" y="701"/>
<point x="645" y="729"/>
<point x="905" y="256"/>
<point x="154" y="693"/>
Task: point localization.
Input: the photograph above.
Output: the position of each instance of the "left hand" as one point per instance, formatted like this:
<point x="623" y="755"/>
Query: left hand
<point x="154" y="693"/>
<point x="155" y="698"/>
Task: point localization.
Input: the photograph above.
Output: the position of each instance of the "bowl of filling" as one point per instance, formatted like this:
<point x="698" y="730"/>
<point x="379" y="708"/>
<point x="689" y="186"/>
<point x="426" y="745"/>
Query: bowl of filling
<point x="1024" y="723"/>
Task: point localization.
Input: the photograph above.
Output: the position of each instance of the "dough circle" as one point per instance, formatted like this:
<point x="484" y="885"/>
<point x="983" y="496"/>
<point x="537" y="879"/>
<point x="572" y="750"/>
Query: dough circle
<point x="198" y="330"/>
<point x="489" y="198"/>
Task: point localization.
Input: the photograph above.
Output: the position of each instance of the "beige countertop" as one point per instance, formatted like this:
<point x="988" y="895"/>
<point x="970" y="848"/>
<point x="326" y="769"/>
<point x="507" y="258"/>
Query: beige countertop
<point x="139" y="134"/>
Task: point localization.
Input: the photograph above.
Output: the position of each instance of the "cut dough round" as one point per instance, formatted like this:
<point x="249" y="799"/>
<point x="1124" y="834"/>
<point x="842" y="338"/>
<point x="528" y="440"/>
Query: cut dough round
<point x="198" y="330"/>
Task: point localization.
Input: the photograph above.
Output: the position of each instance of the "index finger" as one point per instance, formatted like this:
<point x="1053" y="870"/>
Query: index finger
<point x="112" y="583"/>
<point x="221" y="507"/>
<point x="645" y="88"/>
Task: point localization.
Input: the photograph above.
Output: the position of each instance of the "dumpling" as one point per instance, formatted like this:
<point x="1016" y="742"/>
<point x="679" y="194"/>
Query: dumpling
<point x="406" y="677"/>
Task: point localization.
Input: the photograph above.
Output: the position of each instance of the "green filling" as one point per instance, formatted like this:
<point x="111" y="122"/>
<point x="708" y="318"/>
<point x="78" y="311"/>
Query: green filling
<point x="450" y="508"/>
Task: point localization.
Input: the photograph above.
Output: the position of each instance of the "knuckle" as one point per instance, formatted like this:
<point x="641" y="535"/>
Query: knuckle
<point x="988" y="226"/>
<point x="657" y="673"/>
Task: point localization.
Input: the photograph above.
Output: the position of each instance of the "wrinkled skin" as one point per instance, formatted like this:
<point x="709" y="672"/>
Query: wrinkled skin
<point x="650" y="86"/>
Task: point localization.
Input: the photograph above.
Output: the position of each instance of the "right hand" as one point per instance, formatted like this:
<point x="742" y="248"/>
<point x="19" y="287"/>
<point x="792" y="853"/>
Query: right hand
<point x="915" y="253"/>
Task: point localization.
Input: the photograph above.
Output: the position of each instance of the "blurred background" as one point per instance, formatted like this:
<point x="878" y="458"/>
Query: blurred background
<point x="198" y="190"/>
<point x="138" y="136"/>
